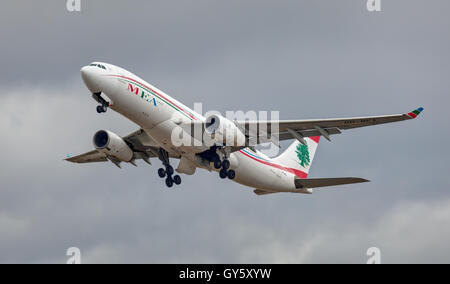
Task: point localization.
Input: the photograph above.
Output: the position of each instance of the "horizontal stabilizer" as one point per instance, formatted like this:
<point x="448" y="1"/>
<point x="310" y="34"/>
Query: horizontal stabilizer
<point x="262" y="192"/>
<point x="323" y="182"/>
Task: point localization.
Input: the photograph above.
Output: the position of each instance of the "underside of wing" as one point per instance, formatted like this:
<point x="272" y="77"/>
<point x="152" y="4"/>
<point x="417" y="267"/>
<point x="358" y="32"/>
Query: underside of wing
<point x="89" y="157"/>
<point x="141" y="141"/>
<point x="289" y="129"/>
<point x="141" y="144"/>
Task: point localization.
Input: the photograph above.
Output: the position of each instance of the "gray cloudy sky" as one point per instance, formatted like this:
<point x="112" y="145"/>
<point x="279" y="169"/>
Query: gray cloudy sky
<point x="307" y="59"/>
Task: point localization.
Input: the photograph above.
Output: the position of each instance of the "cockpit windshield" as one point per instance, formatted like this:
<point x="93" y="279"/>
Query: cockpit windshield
<point x="98" y="65"/>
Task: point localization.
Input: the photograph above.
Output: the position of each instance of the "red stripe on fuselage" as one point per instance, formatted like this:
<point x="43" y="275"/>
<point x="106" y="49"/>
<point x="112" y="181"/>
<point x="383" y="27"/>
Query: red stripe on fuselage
<point x="296" y="172"/>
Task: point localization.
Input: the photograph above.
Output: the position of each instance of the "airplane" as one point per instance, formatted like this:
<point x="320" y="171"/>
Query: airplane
<point x="157" y="114"/>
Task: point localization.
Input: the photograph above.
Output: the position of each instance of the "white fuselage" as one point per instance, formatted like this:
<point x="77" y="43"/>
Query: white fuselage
<point x="158" y="114"/>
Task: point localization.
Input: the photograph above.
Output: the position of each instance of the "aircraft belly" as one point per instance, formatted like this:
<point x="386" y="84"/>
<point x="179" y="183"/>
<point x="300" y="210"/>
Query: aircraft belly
<point x="162" y="133"/>
<point x="257" y="175"/>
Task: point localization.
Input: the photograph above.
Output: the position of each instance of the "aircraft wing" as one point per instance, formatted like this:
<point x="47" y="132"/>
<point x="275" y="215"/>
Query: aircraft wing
<point x="289" y="129"/>
<point x="143" y="146"/>
<point x="89" y="157"/>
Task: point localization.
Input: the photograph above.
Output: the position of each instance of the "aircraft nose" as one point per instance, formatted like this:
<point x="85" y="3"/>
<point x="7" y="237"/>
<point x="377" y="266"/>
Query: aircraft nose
<point x="90" y="78"/>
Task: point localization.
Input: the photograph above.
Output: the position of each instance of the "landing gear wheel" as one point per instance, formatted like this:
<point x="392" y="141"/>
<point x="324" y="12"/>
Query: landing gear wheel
<point x="217" y="164"/>
<point x="226" y="164"/>
<point x="177" y="179"/>
<point x="169" y="182"/>
<point x="102" y="108"/>
<point x="223" y="174"/>
<point x="169" y="170"/>
<point x="161" y="173"/>
<point x="231" y="174"/>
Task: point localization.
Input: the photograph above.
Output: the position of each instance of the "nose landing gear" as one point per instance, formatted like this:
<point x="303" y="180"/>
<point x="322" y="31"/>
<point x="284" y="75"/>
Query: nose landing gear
<point x="103" y="107"/>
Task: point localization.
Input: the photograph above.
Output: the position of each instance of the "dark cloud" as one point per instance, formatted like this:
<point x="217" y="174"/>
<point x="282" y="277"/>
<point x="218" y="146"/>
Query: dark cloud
<point x="307" y="59"/>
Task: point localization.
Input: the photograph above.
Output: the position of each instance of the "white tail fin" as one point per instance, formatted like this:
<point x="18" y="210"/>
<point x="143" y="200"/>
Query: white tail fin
<point x="299" y="157"/>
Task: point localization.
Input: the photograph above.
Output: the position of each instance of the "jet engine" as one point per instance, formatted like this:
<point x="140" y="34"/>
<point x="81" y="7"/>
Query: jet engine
<point x="112" y="145"/>
<point x="224" y="131"/>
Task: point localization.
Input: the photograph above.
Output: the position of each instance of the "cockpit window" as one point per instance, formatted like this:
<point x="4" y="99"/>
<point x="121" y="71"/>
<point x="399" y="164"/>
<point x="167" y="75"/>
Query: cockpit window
<point x="98" y="65"/>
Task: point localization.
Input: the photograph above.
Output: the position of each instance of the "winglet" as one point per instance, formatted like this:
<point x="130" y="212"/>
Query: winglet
<point x="415" y="113"/>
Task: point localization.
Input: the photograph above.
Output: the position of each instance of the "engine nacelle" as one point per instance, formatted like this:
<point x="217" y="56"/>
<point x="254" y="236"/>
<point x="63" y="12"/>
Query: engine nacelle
<point x="224" y="131"/>
<point x="112" y="145"/>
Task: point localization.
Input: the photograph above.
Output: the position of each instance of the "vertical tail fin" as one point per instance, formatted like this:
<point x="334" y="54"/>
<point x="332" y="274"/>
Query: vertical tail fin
<point x="298" y="156"/>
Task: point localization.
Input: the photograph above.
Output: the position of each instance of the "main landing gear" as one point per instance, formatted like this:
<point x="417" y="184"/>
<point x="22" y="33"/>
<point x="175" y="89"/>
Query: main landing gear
<point x="103" y="107"/>
<point x="168" y="171"/>
<point x="224" y="167"/>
